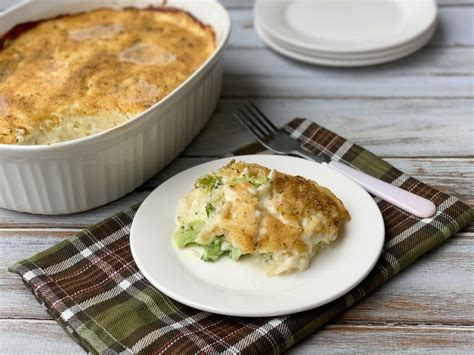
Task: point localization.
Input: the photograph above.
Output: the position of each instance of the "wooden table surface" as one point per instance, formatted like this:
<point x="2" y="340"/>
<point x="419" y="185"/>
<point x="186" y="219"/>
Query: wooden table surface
<point x="417" y="113"/>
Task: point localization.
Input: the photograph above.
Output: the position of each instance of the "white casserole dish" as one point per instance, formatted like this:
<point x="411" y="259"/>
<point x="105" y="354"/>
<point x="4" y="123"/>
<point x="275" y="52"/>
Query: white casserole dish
<point x="81" y="174"/>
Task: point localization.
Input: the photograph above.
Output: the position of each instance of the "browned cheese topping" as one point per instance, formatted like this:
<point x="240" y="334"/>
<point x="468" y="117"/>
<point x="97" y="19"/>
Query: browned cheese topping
<point x="293" y="198"/>
<point x="77" y="75"/>
<point x="246" y="208"/>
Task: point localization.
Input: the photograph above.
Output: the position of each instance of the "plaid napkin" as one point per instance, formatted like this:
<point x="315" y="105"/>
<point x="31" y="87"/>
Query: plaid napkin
<point x="92" y="287"/>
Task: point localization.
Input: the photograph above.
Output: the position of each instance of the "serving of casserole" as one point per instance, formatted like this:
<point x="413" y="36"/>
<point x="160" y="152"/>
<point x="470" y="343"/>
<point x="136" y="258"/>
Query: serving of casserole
<point x="96" y="97"/>
<point x="246" y="209"/>
<point x="76" y="75"/>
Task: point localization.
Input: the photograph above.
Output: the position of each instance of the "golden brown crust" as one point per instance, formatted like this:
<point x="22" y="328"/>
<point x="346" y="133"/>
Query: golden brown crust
<point x="301" y="197"/>
<point x="294" y="198"/>
<point x="99" y="64"/>
<point x="279" y="236"/>
<point x="241" y="223"/>
<point x="283" y="219"/>
<point x="235" y="168"/>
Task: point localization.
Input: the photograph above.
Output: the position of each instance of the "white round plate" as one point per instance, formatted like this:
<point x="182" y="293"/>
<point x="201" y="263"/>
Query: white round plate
<point x="414" y="44"/>
<point x="346" y="60"/>
<point x="346" y="26"/>
<point x="242" y="288"/>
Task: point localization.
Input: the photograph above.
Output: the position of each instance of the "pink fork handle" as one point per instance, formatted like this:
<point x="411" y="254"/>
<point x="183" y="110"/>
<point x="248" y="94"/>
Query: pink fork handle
<point x="416" y="205"/>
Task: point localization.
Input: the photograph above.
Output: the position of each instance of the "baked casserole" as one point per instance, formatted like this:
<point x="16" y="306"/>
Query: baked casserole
<point x="77" y="75"/>
<point x="248" y="209"/>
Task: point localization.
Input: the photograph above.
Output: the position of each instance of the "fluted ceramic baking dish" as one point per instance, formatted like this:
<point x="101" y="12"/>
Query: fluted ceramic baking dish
<point x="81" y="174"/>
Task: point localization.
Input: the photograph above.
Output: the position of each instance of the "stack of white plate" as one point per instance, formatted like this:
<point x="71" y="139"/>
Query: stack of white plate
<point x="345" y="32"/>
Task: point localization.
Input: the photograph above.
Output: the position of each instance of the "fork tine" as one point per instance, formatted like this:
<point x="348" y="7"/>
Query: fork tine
<point x="256" y="127"/>
<point x="255" y="131"/>
<point x="265" y="118"/>
<point x="251" y="116"/>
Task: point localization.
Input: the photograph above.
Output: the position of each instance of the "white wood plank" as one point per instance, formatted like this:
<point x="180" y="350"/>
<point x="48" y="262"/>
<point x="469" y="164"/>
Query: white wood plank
<point x="46" y="337"/>
<point x="388" y="339"/>
<point x="237" y="4"/>
<point x="21" y="303"/>
<point x="429" y="61"/>
<point x="431" y="72"/>
<point x="454" y="2"/>
<point x="324" y="85"/>
<point x="35" y="337"/>
<point x="452" y="176"/>
<point x="401" y="127"/>
<point x="438" y="288"/>
<point x="455" y="28"/>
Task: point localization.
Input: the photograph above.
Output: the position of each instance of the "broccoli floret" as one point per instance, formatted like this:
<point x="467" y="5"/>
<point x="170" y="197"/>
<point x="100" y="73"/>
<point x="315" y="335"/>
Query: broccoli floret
<point x="188" y="234"/>
<point x="214" y="251"/>
<point x="209" y="182"/>
<point x="258" y="180"/>
<point x="235" y="254"/>
<point x="254" y="180"/>
<point x="210" y="209"/>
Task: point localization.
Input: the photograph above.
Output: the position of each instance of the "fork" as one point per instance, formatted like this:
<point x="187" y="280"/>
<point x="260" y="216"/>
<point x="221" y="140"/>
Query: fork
<point x="280" y="142"/>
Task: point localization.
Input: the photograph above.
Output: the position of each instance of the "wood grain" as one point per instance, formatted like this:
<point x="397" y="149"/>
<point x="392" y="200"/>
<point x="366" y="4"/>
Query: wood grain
<point x="451" y="175"/>
<point x="395" y="127"/>
<point x="35" y="337"/>
<point x="388" y="339"/>
<point x="438" y="288"/>
<point x="431" y="72"/>
<point x="429" y="61"/>
<point x="455" y="2"/>
<point x="46" y="337"/>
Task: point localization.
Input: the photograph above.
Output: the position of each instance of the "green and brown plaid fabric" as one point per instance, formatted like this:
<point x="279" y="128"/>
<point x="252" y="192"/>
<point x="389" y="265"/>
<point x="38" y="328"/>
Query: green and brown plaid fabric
<point x="92" y="287"/>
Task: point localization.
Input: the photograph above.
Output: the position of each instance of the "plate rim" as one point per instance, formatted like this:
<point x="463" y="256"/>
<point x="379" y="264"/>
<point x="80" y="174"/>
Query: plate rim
<point x="253" y="313"/>
<point x="334" y="62"/>
<point x="340" y="50"/>
<point x="421" y="40"/>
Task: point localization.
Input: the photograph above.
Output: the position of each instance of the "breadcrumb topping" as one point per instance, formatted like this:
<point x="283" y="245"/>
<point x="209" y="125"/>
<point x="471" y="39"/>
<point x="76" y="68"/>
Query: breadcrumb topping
<point x="77" y="75"/>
